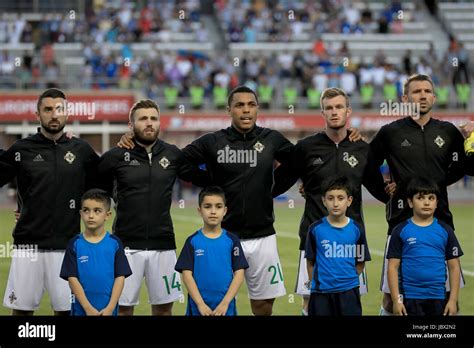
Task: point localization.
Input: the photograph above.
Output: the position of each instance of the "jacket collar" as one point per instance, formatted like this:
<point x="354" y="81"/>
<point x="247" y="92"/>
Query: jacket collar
<point x="409" y="121"/>
<point x="234" y="134"/>
<point x="154" y="150"/>
<point x="330" y="141"/>
<point x="41" y="137"/>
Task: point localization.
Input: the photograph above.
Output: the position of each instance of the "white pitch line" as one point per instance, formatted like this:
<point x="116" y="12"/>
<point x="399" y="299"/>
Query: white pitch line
<point x="293" y="235"/>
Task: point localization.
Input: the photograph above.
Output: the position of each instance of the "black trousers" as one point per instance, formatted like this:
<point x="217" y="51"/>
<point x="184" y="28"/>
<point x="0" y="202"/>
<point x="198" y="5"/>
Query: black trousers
<point x="424" y="307"/>
<point x="336" y="303"/>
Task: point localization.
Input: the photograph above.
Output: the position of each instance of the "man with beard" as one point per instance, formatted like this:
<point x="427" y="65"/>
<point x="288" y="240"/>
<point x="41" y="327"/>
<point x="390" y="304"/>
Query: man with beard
<point x="52" y="172"/>
<point x="321" y="156"/>
<point x="413" y="146"/>
<point x="141" y="182"/>
<point x="241" y="159"/>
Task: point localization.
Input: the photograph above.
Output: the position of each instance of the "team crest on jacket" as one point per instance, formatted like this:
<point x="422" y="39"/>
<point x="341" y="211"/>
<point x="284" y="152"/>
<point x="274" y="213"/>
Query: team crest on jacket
<point x="69" y="157"/>
<point x="439" y="141"/>
<point x="259" y="147"/>
<point x="352" y="161"/>
<point x="164" y="162"/>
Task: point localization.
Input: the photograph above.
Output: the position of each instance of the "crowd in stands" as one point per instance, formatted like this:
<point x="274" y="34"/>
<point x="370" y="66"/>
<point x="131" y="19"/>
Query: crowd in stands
<point x="108" y="21"/>
<point x="287" y="75"/>
<point x="282" y="21"/>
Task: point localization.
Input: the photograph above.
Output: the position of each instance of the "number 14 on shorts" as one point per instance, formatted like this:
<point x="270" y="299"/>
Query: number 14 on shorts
<point x="175" y="284"/>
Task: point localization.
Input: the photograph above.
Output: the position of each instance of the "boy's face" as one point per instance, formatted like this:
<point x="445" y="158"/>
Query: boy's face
<point x="212" y="210"/>
<point x="337" y="202"/>
<point x="424" y="205"/>
<point x="94" y="214"/>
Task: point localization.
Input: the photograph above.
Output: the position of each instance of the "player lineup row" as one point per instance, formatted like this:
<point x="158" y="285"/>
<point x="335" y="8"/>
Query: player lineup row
<point x="53" y="172"/>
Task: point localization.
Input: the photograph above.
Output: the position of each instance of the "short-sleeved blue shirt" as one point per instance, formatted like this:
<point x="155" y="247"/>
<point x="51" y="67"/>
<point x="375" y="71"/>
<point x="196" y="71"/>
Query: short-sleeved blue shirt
<point x="96" y="265"/>
<point x="213" y="262"/>
<point x="423" y="251"/>
<point x="335" y="252"/>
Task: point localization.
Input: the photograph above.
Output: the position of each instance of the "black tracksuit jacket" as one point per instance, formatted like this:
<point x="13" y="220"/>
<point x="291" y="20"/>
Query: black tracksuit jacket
<point x="317" y="158"/>
<point x="51" y="177"/>
<point x="248" y="188"/>
<point x="434" y="151"/>
<point x="142" y="188"/>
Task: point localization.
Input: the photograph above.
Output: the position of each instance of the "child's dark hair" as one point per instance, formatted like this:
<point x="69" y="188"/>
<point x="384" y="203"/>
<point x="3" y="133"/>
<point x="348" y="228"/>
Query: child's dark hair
<point x="97" y="195"/>
<point x="421" y="185"/>
<point x="338" y="182"/>
<point x="211" y="191"/>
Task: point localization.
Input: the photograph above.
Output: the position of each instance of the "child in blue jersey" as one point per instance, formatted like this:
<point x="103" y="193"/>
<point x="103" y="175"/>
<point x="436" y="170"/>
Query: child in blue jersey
<point x="212" y="260"/>
<point x="95" y="264"/>
<point x="417" y="254"/>
<point x="336" y="250"/>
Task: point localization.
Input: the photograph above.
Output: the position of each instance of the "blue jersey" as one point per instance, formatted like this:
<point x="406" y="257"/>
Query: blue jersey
<point x="213" y="262"/>
<point x="335" y="252"/>
<point x="96" y="265"/>
<point x="423" y="251"/>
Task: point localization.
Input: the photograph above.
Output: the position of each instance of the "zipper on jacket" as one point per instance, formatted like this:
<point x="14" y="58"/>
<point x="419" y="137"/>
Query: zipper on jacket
<point x="150" y="173"/>
<point x="337" y="158"/>
<point x="424" y="145"/>
<point x="55" y="147"/>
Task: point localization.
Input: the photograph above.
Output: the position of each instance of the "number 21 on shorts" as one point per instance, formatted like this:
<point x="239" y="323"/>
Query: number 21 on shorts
<point x="277" y="275"/>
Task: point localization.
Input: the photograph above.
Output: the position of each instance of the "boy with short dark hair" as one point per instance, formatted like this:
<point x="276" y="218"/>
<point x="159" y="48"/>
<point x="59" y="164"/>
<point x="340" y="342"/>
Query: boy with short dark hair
<point x="336" y="250"/>
<point x="421" y="245"/>
<point x="212" y="260"/>
<point x="95" y="264"/>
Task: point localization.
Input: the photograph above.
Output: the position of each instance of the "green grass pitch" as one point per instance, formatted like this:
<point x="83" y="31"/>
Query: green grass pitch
<point x="186" y="221"/>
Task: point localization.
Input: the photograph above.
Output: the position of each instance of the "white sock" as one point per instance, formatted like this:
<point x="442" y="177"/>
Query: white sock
<point x="304" y="313"/>
<point x="385" y="313"/>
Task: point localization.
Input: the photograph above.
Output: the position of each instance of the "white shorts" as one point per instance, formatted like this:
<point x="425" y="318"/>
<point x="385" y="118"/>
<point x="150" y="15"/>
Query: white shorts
<point x="162" y="281"/>
<point x="384" y="280"/>
<point x="264" y="276"/>
<point x="32" y="272"/>
<point x="302" y="279"/>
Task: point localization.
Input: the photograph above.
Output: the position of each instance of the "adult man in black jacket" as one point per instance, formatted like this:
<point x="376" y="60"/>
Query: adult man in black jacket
<point x="323" y="155"/>
<point x="52" y="173"/>
<point x="241" y="159"/>
<point x="144" y="178"/>
<point x="414" y="146"/>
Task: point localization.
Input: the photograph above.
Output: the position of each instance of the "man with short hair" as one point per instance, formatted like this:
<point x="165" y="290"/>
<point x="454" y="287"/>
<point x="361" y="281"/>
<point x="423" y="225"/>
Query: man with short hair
<point x="323" y="155"/>
<point x="240" y="159"/>
<point x="414" y="145"/>
<point x="143" y="179"/>
<point x="52" y="171"/>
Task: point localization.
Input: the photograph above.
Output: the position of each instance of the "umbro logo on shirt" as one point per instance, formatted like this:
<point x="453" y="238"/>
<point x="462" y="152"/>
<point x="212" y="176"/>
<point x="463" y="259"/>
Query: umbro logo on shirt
<point x="405" y="143"/>
<point x="199" y="252"/>
<point x="83" y="259"/>
<point x="411" y="240"/>
<point x="318" y="161"/>
<point x="38" y="158"/>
